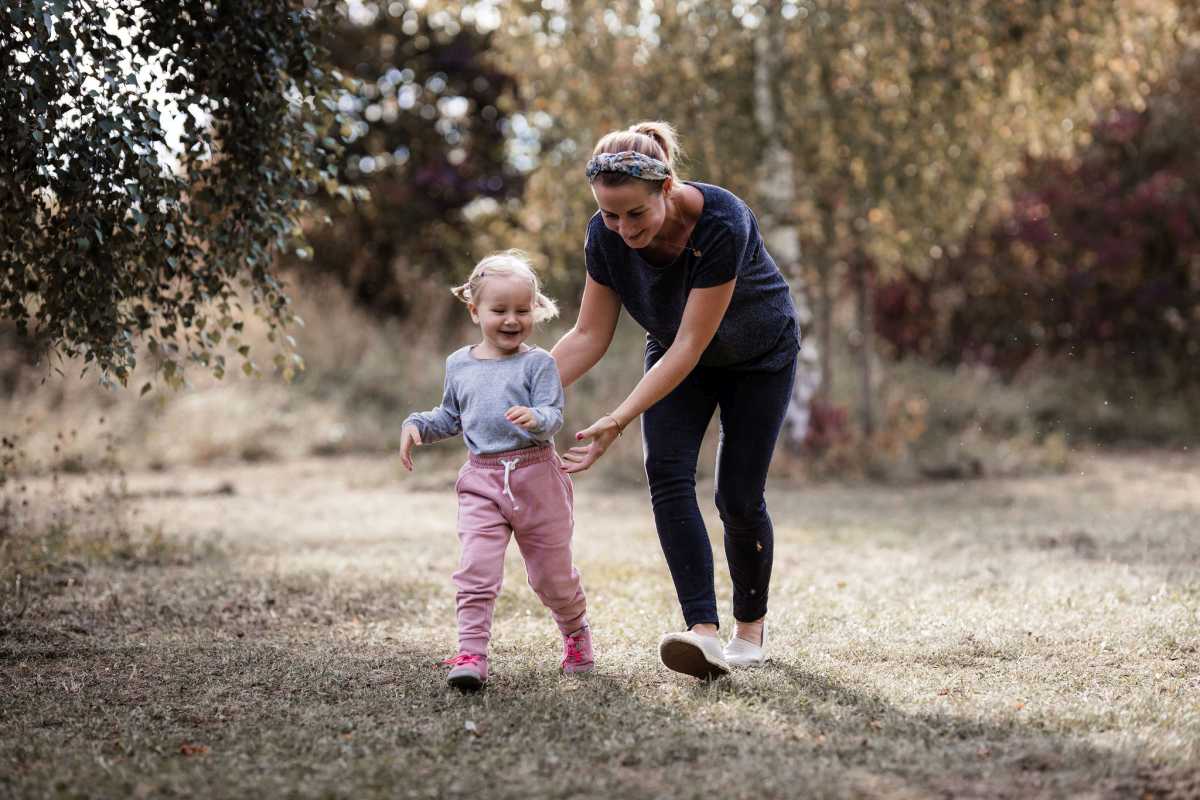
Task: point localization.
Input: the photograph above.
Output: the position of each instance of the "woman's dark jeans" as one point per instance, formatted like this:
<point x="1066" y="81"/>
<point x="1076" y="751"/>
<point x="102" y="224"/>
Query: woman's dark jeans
<point x="752" y="405"/>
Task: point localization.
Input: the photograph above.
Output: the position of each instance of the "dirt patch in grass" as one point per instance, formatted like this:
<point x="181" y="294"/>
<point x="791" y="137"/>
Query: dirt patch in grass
<point x="1020" y="638"/>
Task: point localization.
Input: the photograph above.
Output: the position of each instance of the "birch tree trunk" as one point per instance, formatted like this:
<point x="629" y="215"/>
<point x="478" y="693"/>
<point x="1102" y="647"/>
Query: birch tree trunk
<point x="865" y="285"/>
<point x="777" y="190"/>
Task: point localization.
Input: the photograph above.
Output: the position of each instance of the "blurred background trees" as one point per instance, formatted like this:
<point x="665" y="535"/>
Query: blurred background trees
<point x="1002" y="186"/>
<point x="426" y="117"/>
<point x="1096" y="256"/>
<point x="904" y="125"/>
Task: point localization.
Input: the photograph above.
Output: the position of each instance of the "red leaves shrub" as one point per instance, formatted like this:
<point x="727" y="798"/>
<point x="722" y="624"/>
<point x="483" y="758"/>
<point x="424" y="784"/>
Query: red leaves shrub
<point x="1098" y="257"/>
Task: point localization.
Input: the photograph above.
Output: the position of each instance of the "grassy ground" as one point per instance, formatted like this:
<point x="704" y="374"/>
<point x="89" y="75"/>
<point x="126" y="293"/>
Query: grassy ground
<point x="1012" y="638"/>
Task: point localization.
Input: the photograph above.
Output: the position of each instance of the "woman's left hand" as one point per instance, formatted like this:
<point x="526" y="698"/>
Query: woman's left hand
<point x="602" y="433"/>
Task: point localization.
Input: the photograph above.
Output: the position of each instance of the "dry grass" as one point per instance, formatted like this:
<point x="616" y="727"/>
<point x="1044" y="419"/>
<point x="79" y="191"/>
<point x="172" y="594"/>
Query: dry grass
<point x="1014" y="638"/>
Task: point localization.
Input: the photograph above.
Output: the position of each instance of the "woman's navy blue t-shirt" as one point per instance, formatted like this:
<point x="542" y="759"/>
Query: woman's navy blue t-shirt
<point x="759" y="330"/>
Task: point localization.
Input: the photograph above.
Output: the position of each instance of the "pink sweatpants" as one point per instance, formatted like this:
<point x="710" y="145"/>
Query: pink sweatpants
<point x="526" y="494"/>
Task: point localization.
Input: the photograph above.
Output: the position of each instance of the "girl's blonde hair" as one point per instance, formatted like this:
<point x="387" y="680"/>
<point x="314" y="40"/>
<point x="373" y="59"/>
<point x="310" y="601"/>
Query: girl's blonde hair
<point x="654" y="138"/>
<point x="508" y="263"/>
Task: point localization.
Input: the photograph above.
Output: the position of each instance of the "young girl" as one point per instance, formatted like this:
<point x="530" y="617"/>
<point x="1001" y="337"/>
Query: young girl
<point x="506" y="398"/>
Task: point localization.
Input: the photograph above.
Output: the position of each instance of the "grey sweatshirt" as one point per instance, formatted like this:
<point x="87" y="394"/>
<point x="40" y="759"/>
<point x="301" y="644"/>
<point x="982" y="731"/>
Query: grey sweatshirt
<point x="478" y="392"/>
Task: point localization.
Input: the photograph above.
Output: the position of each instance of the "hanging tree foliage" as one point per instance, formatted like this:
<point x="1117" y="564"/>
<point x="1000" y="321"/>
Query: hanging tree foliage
<point x="157" y="156"/>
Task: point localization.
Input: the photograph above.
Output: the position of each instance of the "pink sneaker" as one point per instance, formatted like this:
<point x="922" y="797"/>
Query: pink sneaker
<point x="468" y="671"/>
<point x="577" y="651"/>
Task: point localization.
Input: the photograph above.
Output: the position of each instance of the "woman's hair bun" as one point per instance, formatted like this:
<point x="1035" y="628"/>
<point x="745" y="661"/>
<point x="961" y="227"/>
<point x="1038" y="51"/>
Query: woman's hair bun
<point x="664" y="136"/>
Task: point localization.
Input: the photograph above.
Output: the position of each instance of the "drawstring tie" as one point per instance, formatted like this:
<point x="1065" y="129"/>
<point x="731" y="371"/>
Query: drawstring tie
<point x="509" y="465"/>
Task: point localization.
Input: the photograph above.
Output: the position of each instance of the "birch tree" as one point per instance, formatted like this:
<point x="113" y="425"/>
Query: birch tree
<point x="158" y="156"/>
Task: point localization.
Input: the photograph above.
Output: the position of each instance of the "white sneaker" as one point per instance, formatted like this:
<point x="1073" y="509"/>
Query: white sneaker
<point x="693" y="654"/>
<point x="740" y="653"/>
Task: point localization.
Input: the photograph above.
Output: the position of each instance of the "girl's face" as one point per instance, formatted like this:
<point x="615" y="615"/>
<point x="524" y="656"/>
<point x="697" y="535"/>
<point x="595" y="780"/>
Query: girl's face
<point x="632" y="210"/>
<point x="504" y="313"/>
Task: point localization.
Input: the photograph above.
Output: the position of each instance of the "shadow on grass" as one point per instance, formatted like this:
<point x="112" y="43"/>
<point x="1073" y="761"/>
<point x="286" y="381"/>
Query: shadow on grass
<point x="883" y="749"/>
<point x="325" y="715"/>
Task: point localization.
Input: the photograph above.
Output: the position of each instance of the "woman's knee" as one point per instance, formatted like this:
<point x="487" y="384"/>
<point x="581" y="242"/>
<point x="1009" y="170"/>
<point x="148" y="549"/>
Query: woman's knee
<point x="667" y="472"/>
<point x="742" y="513"/>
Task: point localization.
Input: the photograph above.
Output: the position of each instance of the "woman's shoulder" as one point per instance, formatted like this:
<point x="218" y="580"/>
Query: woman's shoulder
<point x="719" y="202"/>
<point x="598" y="235"/>
<point x="724" y="213"/>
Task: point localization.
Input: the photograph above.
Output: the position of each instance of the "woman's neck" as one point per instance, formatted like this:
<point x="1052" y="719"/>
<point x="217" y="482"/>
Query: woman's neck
<point x="678" y="218"/>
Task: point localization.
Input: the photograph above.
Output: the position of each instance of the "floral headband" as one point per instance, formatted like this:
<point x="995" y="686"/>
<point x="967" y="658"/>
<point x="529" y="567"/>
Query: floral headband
<point x="628" y="162"/>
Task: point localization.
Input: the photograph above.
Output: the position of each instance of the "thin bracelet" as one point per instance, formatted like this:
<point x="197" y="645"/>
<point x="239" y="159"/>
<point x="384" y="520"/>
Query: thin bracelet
<point x="620" y="427"/>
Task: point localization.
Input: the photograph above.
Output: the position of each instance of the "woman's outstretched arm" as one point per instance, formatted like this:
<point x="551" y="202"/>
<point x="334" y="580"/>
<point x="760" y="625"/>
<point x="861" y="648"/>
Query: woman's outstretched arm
<point x="702" y="316"/>
<point x="584" y="345"/>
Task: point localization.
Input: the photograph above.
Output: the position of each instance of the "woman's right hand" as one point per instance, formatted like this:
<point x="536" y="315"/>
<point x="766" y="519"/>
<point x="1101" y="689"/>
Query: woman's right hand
<point x="603" y="432"/>
<point x="409" y="437"/>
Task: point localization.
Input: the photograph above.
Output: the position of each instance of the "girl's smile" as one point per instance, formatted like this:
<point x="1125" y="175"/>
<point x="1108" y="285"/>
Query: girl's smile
<point x="504" y="314"/>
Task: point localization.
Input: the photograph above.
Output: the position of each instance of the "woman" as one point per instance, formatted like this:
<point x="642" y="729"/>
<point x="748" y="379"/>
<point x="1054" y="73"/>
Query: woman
<point x="687" y="261"/>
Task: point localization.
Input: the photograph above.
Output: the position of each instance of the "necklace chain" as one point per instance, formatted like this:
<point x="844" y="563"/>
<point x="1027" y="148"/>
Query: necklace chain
<point x="688" y="244"/>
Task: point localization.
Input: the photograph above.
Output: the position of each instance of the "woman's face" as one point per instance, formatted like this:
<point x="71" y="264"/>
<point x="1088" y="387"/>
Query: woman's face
<point x="632" y="210"/>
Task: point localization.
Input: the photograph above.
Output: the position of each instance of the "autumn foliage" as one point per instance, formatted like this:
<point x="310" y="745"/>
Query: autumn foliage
<point x="1097" y="257"/>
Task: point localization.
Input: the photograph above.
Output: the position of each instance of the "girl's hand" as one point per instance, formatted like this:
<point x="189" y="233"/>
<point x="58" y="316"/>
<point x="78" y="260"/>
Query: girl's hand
<point x="523" y="417"/>
<point x="602" y="433"/>
<point x="409" y="437"/>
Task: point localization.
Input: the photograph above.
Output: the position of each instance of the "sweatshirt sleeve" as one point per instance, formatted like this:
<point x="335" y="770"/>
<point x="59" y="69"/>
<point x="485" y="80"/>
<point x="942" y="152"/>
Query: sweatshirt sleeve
<point x="546" y="397"/>
<point x="443" y="421"/>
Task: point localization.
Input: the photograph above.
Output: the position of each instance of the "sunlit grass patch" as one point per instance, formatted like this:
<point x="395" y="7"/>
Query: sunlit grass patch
<point x="931" y="641"/>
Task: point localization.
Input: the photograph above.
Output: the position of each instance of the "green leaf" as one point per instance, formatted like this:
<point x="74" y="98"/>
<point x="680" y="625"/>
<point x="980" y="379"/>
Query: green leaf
<point x="191" y="233"/>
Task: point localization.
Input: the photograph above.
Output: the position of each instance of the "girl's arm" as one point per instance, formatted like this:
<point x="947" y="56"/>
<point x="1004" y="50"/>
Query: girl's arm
<point x="584" y="345"/>
<point x="701" y="317"/>
<point x="441" y="422"/>
<point x="544" y="415"/>
<point x="427" y="427"/>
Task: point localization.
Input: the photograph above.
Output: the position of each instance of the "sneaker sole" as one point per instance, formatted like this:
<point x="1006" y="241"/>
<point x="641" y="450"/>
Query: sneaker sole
<point x="465" y="683"/>
<point x="747" y="664"/>
<point x="690" y="660"/>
